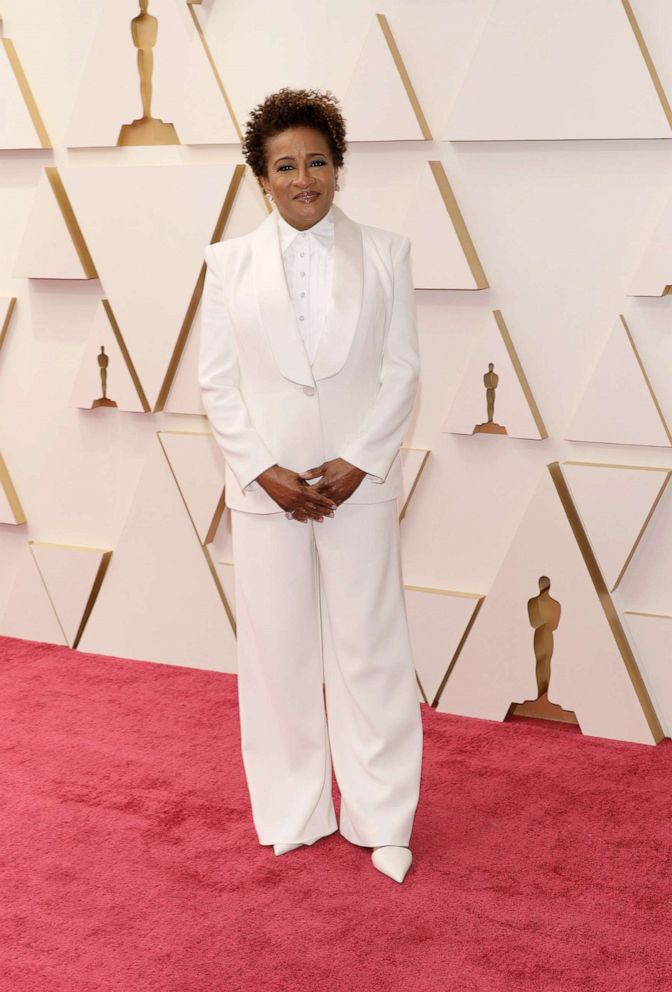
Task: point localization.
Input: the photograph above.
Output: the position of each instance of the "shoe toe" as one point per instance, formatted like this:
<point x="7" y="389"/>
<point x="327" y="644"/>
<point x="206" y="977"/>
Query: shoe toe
<point x="392" y="861"/>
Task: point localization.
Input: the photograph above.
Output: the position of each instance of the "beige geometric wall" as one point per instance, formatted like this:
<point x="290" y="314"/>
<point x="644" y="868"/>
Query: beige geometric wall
<point x="541" y="222"/>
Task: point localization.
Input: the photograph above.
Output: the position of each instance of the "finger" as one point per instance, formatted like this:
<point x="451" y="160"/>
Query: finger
<point x="318" y="502"/>
<point x="300" y="516"/>
<point x="313" y="473"/>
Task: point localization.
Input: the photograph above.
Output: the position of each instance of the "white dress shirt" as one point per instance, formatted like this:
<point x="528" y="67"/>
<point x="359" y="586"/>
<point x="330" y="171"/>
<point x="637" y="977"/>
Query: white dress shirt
<point x="308" y="260"/>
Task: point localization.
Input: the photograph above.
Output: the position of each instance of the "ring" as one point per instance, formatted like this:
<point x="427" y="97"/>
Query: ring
<point x="289" y="514"/>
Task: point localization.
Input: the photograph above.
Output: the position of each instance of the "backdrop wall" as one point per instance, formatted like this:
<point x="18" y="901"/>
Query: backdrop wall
<point x="541" y="233"/>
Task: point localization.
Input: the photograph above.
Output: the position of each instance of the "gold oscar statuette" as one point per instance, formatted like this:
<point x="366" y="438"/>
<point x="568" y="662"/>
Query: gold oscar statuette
<point x="103" y="362"/>
<point x="544" y="616"/>
<point x="490" y="381"/>
<point x="146" y="130"/>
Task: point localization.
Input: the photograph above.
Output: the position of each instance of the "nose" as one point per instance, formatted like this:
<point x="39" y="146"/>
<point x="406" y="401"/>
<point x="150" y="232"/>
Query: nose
<point x="302" y="177"/>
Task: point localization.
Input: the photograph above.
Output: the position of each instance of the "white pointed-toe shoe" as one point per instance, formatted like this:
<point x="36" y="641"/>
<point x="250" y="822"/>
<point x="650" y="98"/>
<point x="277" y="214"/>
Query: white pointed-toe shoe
<point x="392" y="861"/>
<point x="286" y="848"/>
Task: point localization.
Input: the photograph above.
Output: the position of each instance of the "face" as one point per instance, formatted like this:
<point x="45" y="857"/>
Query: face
<point x="300" y="175"/>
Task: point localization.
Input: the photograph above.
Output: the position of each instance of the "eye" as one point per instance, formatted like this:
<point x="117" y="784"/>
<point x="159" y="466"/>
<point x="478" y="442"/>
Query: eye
<point x="318" y="161"/>
<point x="283" y="168"/>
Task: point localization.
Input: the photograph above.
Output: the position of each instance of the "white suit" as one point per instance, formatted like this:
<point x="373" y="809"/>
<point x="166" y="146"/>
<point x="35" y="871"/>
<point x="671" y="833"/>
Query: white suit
<point x="267" y="405"/>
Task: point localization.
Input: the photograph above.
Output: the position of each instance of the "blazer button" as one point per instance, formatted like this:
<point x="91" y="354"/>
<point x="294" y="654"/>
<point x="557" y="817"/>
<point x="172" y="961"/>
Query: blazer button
<point x="309" y="390"/>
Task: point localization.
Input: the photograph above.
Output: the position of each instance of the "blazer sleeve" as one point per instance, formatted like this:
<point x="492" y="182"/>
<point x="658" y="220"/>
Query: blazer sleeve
<point x="218" y="376"/>
<point x="377" y="443"/>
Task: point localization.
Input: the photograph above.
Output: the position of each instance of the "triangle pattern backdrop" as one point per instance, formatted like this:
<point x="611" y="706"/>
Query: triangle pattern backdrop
<point x="593" y="671"/>
<point x="72" y="577"/>
<point x="615" y="503"/>
<point x="515" y="408"/>
<point x="652" y="636"/>
<point x="52" y="246"/>
<point x="21" y="125"/>
<point x="380" y="103"/>
<point x="29" y="611"/>
<point x="7" y="305"/>
<point x="185" y="91"/>
<point x="123" y="386"/>
<point x="147" y="227"/>
<point x="160" y="582"/>
<point x="619" y="406"/>
<point x="434" y="218"/>
<point x="528" y="48"/>
<point x="654" y="273"/>
<point x="439" y="622"/>
<point x="11" y="511"/>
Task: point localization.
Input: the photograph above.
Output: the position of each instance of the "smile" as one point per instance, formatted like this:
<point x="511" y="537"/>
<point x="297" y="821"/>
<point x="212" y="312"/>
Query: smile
<point x="307" y="197"/>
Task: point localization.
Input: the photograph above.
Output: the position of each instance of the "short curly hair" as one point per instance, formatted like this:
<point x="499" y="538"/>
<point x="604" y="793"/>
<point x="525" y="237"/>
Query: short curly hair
<point x="293" y="108"/>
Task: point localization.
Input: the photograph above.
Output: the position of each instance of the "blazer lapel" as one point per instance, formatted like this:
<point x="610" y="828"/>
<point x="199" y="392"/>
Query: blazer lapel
<point x="275" y="306"/>
<point x="346" y="302"/>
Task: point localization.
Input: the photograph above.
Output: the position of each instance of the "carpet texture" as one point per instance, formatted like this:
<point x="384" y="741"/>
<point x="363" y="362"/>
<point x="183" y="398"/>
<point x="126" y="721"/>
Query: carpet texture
<point x="129" y="861"/>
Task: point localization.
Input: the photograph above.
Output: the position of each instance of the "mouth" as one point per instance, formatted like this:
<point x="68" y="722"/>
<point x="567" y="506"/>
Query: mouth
<point x="308" y="197"/>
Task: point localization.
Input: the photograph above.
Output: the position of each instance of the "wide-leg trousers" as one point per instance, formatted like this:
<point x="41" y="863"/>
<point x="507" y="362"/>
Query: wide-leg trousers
<point x="314" y="601"/>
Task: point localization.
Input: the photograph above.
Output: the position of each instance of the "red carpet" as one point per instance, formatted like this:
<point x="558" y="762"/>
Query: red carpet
<point x="129" y="860"/>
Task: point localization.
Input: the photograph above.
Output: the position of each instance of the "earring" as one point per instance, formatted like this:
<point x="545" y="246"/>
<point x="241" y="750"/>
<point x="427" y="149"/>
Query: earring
<point x="337" y="186"/>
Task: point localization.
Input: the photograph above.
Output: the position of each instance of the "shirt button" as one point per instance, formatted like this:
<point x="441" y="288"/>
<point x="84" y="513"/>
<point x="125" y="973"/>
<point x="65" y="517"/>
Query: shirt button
<point x="309" y="390"/>
<point x="302" y="254"/>
<point x="301" y="317"/>
<point x="303" y="293"/>
<point x="303" y="273"/>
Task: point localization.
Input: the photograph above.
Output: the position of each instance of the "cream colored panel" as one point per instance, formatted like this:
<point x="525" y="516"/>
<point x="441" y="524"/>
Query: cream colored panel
<point x="247" y="212"/>
<point x="559" y="69"/>
<point x="443" y="254"/>
<point x="148" y="228"/>
<point x="52" y="246"/>
<point x="515" y="411"/>
<point x="618" y="406"/>
<point x="413" y="461"/>
<point x="20" y="123"/>
<point x="654" y="273"/>
<point x="159" y="601"/>
<point x="616" y="503"/>
<point x="7" y="305"/>
<point x="185" y="392"/>
<point x="72" y="576"/>
<point x="120" y="387"/>
<point x="11" y="511"/>
<point x="646" y="586"/>
<point x="593" y="672"/>
<point x="199" y="472"/>
<point x="652" y="636"/>
<point x="438" y="621"/>
<point x="29" y="612"/>
<point x="379" y="104"/>
<point x="184" y="90"/>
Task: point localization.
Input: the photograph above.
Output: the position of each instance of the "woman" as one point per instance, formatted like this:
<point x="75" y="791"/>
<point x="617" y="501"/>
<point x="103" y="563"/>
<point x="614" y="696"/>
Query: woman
<point x="308" y="369"/>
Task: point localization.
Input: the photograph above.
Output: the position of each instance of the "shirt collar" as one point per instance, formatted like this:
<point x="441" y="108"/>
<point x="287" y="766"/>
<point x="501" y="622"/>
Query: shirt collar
<point x="323" y="230"/>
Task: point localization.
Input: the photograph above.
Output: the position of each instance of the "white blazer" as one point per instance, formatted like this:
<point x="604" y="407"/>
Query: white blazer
<point x="265" y="403"/>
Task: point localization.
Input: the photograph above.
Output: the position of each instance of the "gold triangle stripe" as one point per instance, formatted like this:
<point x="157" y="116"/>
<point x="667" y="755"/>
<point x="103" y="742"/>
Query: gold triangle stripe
<point x="655" y="78"/>
<point x="26" y="93"/>
<point x="126" y="355"/>
<point x="6" y="322"/>
<point x="522" y="378"/>
<point x="71" y="222"/>
<point x="10" y="493"/>
<point x="605" y="601"/>
<point x="213" y="66"/>
<point x="206" y="554"/>
<point x="405" y="78"/>
<point x="646" y="379"/>
<point x="180" y="344"/>
<point x="457" y="219"/>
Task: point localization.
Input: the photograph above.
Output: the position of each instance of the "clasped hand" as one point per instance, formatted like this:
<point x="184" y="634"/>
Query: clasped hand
<point x="292" y="491"/>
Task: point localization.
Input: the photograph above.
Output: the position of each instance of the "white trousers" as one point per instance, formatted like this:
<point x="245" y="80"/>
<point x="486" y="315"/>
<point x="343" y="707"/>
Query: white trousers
<point x="316" y="599"/>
